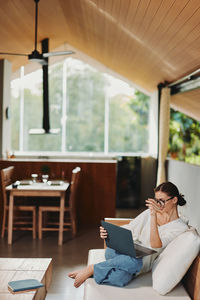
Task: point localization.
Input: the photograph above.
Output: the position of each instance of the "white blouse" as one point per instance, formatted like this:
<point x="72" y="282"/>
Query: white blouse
<point x="140" y="228"/>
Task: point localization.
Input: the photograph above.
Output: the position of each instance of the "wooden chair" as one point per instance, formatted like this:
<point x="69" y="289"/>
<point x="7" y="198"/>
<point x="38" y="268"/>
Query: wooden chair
<point x="6" y="179"/>
<point x="70" y="210"/>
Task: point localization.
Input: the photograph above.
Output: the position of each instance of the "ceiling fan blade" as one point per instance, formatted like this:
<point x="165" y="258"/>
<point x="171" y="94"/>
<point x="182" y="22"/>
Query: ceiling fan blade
<point x="41" y="131"/>
<point x="19" y="54"/>
<point x="57" y="53"/>
<point x="36" y="131"/>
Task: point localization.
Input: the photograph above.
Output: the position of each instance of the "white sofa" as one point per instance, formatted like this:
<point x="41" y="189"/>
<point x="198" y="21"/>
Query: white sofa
<point x="141" y="286"/>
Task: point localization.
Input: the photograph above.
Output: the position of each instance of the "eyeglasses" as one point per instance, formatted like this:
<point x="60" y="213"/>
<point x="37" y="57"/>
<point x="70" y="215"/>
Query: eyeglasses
<point x="162" y="202"/>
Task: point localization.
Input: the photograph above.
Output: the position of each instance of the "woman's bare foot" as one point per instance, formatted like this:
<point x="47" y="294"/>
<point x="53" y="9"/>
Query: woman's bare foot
<point x="82" y="275"/>
<point x="73" y="274"/>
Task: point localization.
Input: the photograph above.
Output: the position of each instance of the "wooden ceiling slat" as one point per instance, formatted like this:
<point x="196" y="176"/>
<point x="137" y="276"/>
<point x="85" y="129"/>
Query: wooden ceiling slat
<point x="186" y="39"/>
<point x="116" y="6"/>
<point x="97" y="28"/>
<point x="73" y="15"/>
<point x="152" y="48"/>
<point x="107" y="6"/>
<point x="120" y="38"/>
<point x="124" y="11"/>
<point x="104" y="30"/>
<point x="162" y="34"/>
<point x="179" y="41"/>
<point x="153" y="37"/>
<point x="159" y="17"/>
<point x="139" y="16"/>
<point x="174" y="29"/>
<point x="147" y="19"/>
<point x="12" y="31"/>
<point x="88" y="24"/>
<point x="152" y="58"/>
<point x="110" y="32"/>
<point x="188" y="103"/>
<point x="190" y="62"/>
<point x="151" y="11"/>
<point x="131" y="12"/>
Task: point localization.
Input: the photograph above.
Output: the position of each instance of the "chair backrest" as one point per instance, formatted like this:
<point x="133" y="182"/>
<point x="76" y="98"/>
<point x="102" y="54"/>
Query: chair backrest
<point x="6" y="179"/>
<point x="73" y="189"/>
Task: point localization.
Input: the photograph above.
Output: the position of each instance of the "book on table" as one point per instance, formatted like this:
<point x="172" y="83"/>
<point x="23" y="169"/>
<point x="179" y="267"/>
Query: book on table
<point x="24" y="285"/>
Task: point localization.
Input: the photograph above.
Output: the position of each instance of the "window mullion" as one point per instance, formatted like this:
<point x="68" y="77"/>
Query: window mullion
<point x="106" y="125"/>
<point x="64" y="107"/>
<point x="21" y="124"/>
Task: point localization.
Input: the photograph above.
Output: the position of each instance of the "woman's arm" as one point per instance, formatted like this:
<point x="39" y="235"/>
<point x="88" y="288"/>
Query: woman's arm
<point x="155" y="240"/>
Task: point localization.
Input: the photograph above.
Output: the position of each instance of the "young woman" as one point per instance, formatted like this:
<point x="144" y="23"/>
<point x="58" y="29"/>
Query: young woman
<point x="156" y="227"/>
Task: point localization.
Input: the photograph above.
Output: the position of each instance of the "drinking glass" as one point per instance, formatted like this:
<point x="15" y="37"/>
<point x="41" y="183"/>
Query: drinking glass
<point x="34" y="177"/>
<point x="45" y="178"/>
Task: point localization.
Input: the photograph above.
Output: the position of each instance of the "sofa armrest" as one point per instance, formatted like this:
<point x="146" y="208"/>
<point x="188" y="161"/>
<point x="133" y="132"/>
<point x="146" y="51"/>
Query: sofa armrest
<point x="117" y="221"/>
<point x="191" y="280"/>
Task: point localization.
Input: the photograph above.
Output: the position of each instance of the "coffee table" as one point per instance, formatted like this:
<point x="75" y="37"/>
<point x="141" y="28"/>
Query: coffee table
<point x="25" y="268"/>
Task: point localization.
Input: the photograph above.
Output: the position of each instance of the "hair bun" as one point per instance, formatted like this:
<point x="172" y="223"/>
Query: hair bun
<point x="181" y="200"/>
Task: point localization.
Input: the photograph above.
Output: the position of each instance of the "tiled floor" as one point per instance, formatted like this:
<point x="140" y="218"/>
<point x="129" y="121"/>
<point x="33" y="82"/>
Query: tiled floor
<point x="72" y="255"/>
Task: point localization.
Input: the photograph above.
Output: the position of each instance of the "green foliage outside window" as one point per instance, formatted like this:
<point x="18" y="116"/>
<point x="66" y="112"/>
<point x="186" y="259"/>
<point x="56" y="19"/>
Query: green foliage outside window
<point x="184" y="140"/>
<point x="129" y="123"/>
<point x="86" y="109"/>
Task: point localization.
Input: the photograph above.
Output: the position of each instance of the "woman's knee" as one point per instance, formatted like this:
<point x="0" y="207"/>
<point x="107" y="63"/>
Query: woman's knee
<point x="131" y="265"/>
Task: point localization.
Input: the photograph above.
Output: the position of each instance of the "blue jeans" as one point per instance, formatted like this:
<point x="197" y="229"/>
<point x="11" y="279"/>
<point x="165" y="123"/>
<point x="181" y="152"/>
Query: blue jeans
<point x="117" y="270"/>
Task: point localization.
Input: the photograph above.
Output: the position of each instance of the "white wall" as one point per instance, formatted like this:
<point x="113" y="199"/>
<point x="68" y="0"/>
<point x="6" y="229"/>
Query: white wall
<point x="187" y="179"/>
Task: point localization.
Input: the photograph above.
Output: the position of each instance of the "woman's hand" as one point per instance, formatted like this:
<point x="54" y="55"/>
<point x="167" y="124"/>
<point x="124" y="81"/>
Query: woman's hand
<point x="153" y="206"/>
<point x="103" y="233"/>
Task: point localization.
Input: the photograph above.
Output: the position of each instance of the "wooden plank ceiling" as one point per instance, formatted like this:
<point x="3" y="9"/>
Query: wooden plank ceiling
<point x="146" y="41"/>
<point x="188" y="103"/>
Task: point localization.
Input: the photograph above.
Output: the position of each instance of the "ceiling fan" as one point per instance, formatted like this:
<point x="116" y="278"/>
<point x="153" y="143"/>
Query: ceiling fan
<point x="35" y="55"/>
<point x="42" y="58"/>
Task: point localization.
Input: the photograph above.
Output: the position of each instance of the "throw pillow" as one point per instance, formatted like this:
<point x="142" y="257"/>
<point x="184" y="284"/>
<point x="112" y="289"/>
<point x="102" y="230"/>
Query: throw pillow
<point x="172" y="264"/>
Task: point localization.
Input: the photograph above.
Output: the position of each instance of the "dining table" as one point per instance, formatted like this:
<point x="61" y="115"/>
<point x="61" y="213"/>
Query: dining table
<point x="37" y="189"/>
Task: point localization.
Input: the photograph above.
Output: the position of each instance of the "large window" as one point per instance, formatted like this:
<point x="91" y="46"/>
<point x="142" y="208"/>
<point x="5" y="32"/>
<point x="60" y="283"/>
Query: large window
<point x="95" y="112"/>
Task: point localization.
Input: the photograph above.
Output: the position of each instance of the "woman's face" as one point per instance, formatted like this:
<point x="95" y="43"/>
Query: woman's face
<point x="165" y="202"/>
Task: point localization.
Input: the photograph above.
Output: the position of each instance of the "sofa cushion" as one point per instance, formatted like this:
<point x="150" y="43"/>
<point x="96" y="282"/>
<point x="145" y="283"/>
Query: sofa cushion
<point x="140" y="288"/>
<point x="172" y="264"/>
